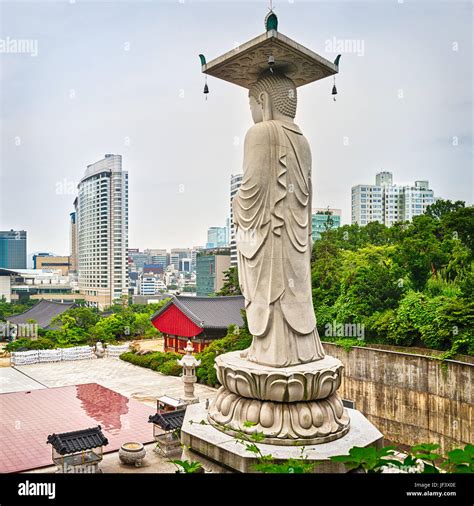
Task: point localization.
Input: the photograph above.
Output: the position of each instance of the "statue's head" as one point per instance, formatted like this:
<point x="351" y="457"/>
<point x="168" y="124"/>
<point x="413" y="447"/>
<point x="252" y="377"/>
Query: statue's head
<point x="272" y="96"/>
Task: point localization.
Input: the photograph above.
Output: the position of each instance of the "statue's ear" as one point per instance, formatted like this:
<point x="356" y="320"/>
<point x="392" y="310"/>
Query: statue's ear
<point x="267" y="108"/>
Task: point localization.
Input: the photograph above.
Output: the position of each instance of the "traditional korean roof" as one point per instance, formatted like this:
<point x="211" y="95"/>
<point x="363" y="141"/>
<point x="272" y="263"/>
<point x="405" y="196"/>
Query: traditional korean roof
<point x="42" y="313"/>
<point x="208" y="312"/>
<point x="170" y="420"/>
<point x="72" y="442"/>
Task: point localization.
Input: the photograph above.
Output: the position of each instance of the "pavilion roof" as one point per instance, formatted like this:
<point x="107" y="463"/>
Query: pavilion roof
<point x="42" y="313"/>
<point x="76" y="441"/>
<point x="170" y="420"/>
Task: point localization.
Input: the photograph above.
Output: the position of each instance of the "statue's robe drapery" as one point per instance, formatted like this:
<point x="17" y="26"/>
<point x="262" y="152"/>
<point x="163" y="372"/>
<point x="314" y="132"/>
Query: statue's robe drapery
<point x="272" y="216"/>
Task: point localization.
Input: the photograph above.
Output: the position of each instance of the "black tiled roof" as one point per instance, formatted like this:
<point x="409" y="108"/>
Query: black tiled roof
<point x="42" y="313"/>
<point x="168" y="421"/>
<point x="71" y="442"/>
<point x="209" y="312"/>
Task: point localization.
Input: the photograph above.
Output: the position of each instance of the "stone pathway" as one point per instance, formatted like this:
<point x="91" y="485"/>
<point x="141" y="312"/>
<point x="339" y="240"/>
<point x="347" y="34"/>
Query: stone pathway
<point x="12" y="380"/>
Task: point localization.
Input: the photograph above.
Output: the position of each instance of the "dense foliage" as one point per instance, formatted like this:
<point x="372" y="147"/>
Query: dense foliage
<point x="84" y="325"/>
<point x="230" y="283"/>
<point x="410" y="284"/>
<point x="236" y="339"/>
<point x="10" y="308"/>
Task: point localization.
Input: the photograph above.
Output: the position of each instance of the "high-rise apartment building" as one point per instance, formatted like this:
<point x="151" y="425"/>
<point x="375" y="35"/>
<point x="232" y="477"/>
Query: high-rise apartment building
<point x="235" y="182"/>
<point x="13" y="249"/>
<point x="102" y="232"/>
<point x="323" y="219"/>
<point x="389" y="203"/>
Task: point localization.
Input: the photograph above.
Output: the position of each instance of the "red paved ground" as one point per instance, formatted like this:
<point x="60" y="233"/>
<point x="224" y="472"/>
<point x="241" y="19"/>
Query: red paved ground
<point x="27" y="418"/>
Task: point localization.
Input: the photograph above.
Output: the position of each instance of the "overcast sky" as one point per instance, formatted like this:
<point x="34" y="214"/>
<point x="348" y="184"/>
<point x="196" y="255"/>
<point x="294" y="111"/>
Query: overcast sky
<point x="124" y="77"/>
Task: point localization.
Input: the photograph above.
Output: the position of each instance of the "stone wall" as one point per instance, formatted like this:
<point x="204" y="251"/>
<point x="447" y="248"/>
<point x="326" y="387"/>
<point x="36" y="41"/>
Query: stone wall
<point x="410" y="398"/>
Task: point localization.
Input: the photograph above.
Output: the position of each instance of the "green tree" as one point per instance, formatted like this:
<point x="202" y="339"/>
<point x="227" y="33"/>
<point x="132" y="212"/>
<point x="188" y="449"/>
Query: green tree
<point x="231" y="283"/>
<point x="441" y="208"/>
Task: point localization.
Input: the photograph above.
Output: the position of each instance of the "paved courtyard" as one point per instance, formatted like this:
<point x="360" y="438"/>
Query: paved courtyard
<point x="64" y="409"/>
<point x="127" y="379"/>
<point x="40" y="382"/>
<point x="12" y="380"/>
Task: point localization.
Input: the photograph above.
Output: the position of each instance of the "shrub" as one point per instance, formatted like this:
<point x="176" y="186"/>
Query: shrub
<point x="41" y="343"/>
<point x="236" y="339"/>
<point x="170" y="367"/>
<point x="152" y="361"/>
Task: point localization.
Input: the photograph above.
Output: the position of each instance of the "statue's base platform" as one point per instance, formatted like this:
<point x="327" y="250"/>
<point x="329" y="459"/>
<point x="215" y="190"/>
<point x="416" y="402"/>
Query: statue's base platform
<point x="221" y="452"/>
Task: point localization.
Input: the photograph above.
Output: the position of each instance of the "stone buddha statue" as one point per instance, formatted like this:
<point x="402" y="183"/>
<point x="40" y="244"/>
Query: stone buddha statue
<point x="272" y="216"/>
<point x="283" y="384"/>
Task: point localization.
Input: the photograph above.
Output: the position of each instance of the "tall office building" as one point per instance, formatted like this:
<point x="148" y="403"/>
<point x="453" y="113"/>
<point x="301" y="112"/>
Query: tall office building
<point x="73" y="240"/>
<point x="13" y="249"/>
<point x="216" y="237"/>
<point x="323" y="219"/>
<point x="158" y="256"/>
<point x="235" y="182"/>
<point x="102" y="232"/>
<point x="389" y="203"/>
<point x="178" y="254"/>
<point x="210" y="269"/>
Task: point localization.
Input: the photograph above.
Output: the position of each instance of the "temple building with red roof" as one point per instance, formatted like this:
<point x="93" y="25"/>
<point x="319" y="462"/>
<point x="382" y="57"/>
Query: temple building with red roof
<point x="200" y="319"/>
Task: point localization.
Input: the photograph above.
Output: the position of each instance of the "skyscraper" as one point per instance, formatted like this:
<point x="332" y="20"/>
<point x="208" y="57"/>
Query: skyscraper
<point x="389" y="203"/>
<point x="235" y="182"/>
<point x="13" y="249"/>
<point x="102" y="232"/>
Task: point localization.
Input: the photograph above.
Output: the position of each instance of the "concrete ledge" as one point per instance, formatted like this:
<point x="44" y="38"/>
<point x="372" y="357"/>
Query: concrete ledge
<point x="208" y="444"/>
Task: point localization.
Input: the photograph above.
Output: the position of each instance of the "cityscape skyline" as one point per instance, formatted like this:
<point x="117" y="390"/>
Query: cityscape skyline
<point x="428" y="137"/>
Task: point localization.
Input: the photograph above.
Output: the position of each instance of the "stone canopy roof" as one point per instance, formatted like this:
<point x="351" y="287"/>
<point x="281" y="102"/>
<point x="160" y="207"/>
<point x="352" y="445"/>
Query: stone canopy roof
<point x="209" y="312"/>
<point x="72" y="442"/>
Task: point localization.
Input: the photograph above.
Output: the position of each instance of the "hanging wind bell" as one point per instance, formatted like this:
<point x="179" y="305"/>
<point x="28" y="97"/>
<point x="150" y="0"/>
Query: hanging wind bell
<point x="334" y="90"/>
<point x="203" y="64"/>
<point x="271" y="62"/>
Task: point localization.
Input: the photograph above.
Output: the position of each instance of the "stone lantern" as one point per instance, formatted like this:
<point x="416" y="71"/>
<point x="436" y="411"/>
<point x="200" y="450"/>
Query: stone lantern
<point x="189" y="364"/>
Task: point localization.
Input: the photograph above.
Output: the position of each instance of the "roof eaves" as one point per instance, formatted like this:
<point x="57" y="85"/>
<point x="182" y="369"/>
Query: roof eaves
<point x="195" y="319"/>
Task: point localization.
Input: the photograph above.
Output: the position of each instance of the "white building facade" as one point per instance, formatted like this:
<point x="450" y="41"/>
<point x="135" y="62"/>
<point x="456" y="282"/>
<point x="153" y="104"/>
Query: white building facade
<point x="389" y="203"/>
<point x="102" y="232"/>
